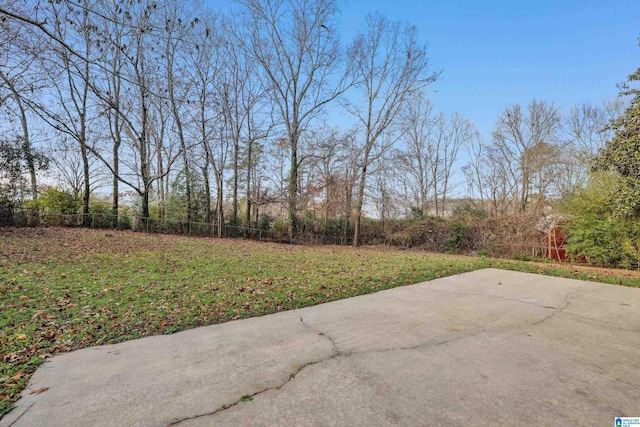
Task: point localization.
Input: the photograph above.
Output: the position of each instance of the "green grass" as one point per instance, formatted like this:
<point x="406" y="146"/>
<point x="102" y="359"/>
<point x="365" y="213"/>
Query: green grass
<point x="64" y="289"/>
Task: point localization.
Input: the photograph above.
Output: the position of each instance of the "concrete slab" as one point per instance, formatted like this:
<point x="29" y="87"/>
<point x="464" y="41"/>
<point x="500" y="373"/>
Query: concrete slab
<point x="488" y="347"/>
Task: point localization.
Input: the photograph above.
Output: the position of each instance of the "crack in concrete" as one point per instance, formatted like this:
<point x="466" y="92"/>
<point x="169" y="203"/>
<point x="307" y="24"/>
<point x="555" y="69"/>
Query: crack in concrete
<point x="292" y="375"/>
<point x="600" y="323"/>
<point x="338" y="353"/>
<point x="333" y="343"/>
<point x="248" y="397"/>
<point x="566" y="304"/>
<point x="20" y="416"/>
<point x="421" y="345"/>
<point x="475" y="294"/>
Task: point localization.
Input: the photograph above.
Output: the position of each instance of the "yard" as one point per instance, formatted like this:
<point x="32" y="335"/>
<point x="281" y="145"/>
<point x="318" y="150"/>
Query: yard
<point x="64" y="289"/>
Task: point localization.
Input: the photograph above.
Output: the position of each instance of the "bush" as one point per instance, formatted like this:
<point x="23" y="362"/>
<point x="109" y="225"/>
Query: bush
<point x="335" y="226"/>
<point x="595" y="232"/>
<point x="372" y="232"/>
<point x="101" y="207"/>
<point x="54" y="200"/>
<point x="7" y="208"/>
<point x="467" y="210"/>
<point x="428" y="234"/>
<point x="264" y="222"/>
<point x="458" y="238"/>
<point x="417" y="213"/>
<point x="596" y="239"/>
<point x="280" y="229"/>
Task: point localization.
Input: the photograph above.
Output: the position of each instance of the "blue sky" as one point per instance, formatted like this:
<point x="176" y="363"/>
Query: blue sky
<point x="497" y="53"/>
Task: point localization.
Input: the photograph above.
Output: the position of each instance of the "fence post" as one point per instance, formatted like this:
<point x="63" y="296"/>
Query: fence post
<point x="147" y="221"/>
<point x="93" y="220"/>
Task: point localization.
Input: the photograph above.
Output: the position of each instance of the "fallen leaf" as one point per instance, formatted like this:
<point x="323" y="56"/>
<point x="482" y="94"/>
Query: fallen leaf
<point x="40" y="390"/>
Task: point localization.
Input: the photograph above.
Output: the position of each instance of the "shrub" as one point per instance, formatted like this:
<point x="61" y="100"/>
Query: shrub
<point x="371" y="232"/>
<point x="417" y="213"/>
<point x="280" y="229"/>
<point x="264" y="222"/>
<point x="467" y="210"/>
<point x="335" y="226"/>
<point x="101" y="207"/>
<point x="55" y="200"/>
<point x="7" y="207"/>
<point x="595" y="232"/>
<point x="458" y="237"/>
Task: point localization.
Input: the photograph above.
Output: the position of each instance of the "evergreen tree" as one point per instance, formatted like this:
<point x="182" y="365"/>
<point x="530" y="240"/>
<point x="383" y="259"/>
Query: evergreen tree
<point x="621" y="154"/>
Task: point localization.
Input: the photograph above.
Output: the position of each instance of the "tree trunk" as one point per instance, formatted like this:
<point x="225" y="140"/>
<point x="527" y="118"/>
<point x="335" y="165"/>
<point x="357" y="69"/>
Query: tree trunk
<point x="236" y="153"/>
<point x="145" y="203"/>
<point x="26" y="142"/>
<point x="86" y="179"/>
<point x="28" y="153"/>
<point x="219" y="205"/>
<point x="293" y="188"/>
<point x="116" y="166"/>
<point x="249" y="160"/>
<point x="207" y="192"/>
<point x="83" y="144"/>
<point x="359" y="203"/>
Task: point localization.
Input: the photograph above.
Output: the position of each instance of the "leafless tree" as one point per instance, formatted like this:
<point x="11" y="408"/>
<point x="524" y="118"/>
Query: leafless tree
<point x="66" y="167"/>
<point x="296" y="43"/>
<point x="70" y="78"/>
<point x="244" y="89"/>
<point x="451" y="134"/>
<point x="517" y="132"/>
<point x="179" y="19"/>
<point x="419" y="122"/>
<point x="19" y="49"/>
<point x="585" y="130"/>
<point x="144" y="107"/>
<point x="114" y="34"/>
<point x="390" y="66"/>
<point x="202" y="66"/>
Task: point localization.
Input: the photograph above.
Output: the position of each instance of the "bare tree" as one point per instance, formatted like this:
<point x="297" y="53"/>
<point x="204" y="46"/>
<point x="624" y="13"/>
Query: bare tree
<point x="451" y="134"/>
<point x="296" y="43"/>
<point x="19" y="48"/>
<point x="114" y="34"/>
<point x="546" y="165"/>
<point x="327" y="159"/>
<point x="417" y="154"/>
<point x="179" y="19"/>
<point x="474" y="173"/>
<point x="143" y="107"/>
<point x="517" y="132"/>
<point x="218" y="150"/>
<point x="390" y="66"/>
<point x="488" y="178"/>
<point x="586" y="132"/>
<point x="15" y="94"/>
<point x="67" y="168"/>
<point x="202" y="60"/>
<point x="70" y="78"/>
<point x="243" y="88"/>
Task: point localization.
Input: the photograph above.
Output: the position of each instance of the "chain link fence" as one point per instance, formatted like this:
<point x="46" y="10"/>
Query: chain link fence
<point x="31" y="218"/>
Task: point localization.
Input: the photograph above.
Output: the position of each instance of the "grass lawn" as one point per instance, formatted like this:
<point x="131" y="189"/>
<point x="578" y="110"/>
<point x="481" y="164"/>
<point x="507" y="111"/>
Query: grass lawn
<point x="64" y="289"/>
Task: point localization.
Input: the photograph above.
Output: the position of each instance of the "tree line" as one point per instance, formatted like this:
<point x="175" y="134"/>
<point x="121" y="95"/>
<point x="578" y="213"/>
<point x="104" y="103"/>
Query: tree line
<point x="262" y="111"/>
